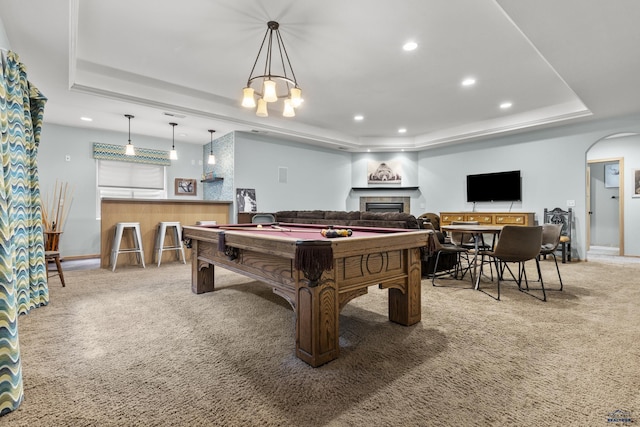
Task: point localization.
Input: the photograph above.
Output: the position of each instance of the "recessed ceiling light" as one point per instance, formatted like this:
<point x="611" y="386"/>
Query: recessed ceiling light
<point x="409" y="46"/>
<point x="86" y="119"/>
<point x="183" y="134"/>
<point x="402" y="130"/>
<point x="358" y="117"/>
<point x="469" y="81"/>
<point x="505" y="105"/>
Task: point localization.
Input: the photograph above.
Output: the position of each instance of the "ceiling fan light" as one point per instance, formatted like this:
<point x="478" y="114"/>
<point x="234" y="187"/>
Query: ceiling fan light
<point x="296" y="96"/>
<point x="248" y="100"/>
<point x="269" y="90"/>
<point x="262" y="108"/>
<point x="288" y="109"/>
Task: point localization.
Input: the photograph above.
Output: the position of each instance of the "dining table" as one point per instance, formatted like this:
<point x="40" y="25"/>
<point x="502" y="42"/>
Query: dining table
<point x="477" y="231"/>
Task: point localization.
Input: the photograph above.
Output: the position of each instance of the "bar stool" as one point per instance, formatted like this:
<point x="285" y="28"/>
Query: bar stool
<point x="117" y="240"/>
<point x="176" y="229"/>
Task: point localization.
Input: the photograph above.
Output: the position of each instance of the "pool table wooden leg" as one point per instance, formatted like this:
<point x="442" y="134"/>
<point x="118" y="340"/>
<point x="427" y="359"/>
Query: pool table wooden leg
<point x="405" y="307"/>
<point x="202" y="278"/>
<point x="317" y="335"/>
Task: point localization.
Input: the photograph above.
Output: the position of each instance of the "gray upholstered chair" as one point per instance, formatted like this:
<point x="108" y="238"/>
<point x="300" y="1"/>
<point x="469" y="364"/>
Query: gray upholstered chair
<point x="565" y="218"/>
<point x="516" y="245"/>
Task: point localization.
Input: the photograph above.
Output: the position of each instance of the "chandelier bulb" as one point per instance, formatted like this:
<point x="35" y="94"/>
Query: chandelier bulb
<point x="296" y="96"/>
<point x="269" y="91"/>
<point x="288" y="109"/>
<point x="262" y="108"/>
<point x="248" y="100"/>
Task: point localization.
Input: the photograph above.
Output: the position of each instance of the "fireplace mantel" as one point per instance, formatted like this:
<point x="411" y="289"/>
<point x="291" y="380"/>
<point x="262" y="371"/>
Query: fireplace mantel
<point x="384" y="188"/>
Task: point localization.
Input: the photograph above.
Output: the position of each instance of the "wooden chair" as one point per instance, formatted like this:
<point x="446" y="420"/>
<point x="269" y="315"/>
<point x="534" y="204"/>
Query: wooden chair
<point x="52" y="254"/>
<point x="517" y="244"/>
<point x="560" y="216"/>
<point x="550" y="242"/>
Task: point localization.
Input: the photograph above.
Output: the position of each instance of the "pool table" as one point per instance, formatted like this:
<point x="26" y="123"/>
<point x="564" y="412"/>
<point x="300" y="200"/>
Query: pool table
<point x="317" y="275"/>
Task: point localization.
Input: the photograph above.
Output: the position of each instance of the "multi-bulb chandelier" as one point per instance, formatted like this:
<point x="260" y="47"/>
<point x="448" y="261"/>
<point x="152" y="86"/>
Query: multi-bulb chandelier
<point x="270" y="91"/>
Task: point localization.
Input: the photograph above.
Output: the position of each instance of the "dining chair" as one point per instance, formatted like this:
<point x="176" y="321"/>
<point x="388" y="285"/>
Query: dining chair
<point x="517" y="245"/>
<point x="550" y="241"/>
<point x="438" y="248"/>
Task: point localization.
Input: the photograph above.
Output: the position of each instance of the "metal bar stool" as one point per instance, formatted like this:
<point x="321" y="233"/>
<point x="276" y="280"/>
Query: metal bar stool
<point x="176" y="232"/>
<point x="137" y="241"/>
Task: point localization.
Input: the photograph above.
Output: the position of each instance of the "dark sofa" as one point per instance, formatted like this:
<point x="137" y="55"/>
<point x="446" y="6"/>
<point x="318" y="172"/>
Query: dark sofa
<point x="352" y="218"/>
<point x="367" y="219"/>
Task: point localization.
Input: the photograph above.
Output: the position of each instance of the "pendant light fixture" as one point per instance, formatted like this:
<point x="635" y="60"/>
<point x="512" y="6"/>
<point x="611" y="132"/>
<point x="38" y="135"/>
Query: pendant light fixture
<point x="129" y="151"/>
<point x="282" y="75"/>
<point x="173" y="154"/>
<point x="212" y="158"/>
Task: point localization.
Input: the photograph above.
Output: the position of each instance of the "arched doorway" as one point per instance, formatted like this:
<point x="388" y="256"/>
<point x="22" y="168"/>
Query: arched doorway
<point x="605" y="179"/>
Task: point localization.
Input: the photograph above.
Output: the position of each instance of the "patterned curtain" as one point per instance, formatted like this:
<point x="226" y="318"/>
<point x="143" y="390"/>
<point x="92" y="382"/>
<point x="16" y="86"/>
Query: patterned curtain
<point x="23" y="280"/>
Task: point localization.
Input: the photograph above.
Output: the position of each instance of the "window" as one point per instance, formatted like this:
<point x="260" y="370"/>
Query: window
<point x="128" y="180"/>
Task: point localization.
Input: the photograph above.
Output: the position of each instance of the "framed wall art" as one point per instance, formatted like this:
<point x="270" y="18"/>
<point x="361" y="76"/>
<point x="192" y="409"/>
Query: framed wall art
<point x="186" y="187"/>
<point x="389" y="172"/>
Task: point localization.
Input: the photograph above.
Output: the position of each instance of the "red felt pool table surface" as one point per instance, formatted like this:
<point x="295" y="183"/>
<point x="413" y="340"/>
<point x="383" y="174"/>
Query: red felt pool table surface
<point x="389" y="258"/>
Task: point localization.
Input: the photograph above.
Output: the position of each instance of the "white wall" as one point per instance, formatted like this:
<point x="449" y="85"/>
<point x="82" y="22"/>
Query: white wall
<point x="82" y="229"/>
<point x="316" y="178"/>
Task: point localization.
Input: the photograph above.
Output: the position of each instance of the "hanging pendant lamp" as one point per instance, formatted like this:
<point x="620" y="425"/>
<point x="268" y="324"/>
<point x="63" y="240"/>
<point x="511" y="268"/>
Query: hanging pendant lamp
<point x="212" y="158"/>
<point x="129" y="150"/>
<point x="173" y="154"/>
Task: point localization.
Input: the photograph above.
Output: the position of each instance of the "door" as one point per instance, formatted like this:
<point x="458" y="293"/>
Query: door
<point x="604" y="206"/>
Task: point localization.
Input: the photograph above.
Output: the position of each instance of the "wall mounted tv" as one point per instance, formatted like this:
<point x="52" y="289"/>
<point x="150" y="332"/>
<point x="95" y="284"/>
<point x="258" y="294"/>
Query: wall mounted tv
<point x="494" y="187"/>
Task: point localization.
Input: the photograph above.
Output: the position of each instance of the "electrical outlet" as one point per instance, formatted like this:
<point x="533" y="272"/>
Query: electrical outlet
<point x="571" y="203"/>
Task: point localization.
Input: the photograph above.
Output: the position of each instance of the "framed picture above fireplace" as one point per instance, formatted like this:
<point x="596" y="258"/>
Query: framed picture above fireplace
<point x="388" y="172"/>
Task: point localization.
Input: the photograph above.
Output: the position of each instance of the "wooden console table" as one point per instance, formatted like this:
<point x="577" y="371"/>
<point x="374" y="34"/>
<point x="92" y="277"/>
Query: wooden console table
<point x="489" y="218"/>
<point x="149" y="212"/>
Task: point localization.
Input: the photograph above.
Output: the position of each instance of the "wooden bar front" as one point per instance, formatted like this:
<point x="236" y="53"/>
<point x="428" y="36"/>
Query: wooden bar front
<point x="149" y="213"/>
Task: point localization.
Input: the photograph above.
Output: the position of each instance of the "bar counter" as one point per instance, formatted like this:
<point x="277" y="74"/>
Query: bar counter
<point x="149" y="212"/>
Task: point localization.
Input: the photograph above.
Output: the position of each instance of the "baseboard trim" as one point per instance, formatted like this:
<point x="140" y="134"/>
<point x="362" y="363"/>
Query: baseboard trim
<point x="79" y="257"/>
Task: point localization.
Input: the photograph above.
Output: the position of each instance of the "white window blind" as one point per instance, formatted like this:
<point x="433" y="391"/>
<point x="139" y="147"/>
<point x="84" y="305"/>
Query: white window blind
<point x="130" y="175"/>
<point x="128" y="180"/>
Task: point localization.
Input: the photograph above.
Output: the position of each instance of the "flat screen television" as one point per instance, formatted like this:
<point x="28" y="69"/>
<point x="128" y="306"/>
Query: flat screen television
<point x="494" y="187"/>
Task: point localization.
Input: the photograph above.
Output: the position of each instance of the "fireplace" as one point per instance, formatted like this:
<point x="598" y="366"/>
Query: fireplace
<point x="385" y="204"/>
<point x="384" y="207"/>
